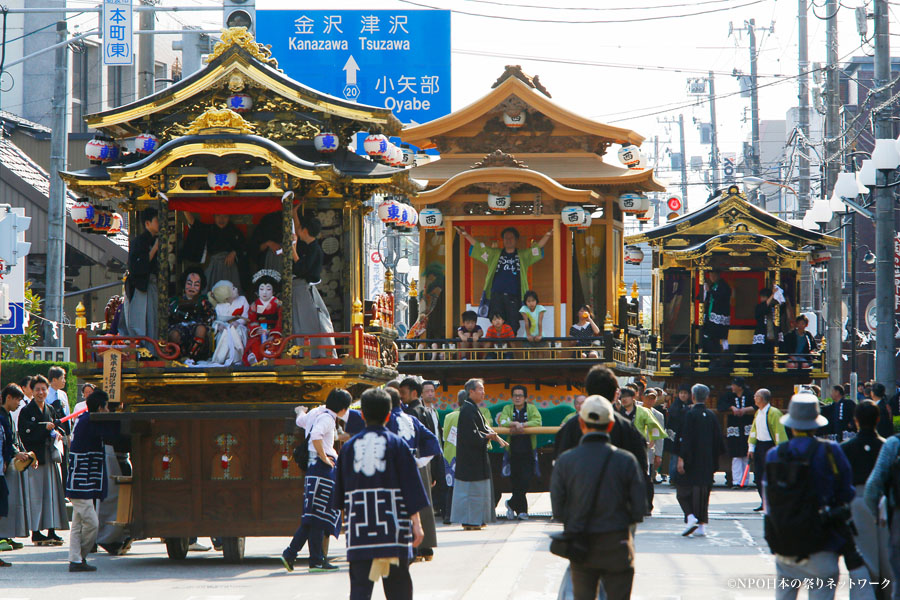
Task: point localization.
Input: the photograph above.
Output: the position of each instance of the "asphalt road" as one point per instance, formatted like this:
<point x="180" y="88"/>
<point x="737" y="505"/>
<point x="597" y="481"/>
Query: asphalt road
<point x="506" y="560"/>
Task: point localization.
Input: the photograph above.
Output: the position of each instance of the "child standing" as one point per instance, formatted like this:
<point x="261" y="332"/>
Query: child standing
<point x="585" y="329"/>
<point x="469" y="333"/>
<point x="499" y="330"/>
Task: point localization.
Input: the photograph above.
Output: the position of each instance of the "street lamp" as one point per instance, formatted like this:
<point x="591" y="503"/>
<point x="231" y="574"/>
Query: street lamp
<point x="751" y="183"/>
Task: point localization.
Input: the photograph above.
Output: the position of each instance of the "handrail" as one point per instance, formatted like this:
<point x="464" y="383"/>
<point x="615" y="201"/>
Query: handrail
<point x="100" y="344"/>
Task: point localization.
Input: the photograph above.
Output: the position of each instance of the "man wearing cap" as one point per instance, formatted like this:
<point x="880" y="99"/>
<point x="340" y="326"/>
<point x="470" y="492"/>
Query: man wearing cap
<point x="766" y="433"/>
<point x="698" y="447"/>
<point x="604" y="482"/>
<point x="830" y="472"/>
<point x="737" y="405"/>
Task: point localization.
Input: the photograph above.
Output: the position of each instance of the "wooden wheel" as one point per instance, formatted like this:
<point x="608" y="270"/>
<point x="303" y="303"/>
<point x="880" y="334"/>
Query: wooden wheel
<point x="177" y="548"/>
<point x="233" y="549"/>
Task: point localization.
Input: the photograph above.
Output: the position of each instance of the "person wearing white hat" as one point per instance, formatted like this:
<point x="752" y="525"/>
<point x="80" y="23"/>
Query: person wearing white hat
<point x="605" y="483"/>
<point x="803" y="472"/>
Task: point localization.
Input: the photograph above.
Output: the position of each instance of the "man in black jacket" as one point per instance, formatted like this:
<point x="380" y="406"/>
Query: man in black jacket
<point x="606" y="484"/>
<point x="680" y="405"/>
<point x="885" y="425"/>
<point x="569" y="434"/>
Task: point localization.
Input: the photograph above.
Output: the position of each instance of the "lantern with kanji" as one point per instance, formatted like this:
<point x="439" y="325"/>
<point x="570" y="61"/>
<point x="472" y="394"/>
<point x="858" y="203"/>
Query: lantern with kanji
<point x="586" y="222"/>
<point x="630" y="155"/>
<point x="81" y="212"/>
<point x="632" y="204"/>
<point x="431" y="218"/>
<point x="239" y="102"/>
<point x="572" y="216"/>
<point x="514" y="121"/>
<point x="326" y="143"/>
<point x="390" y="212"/>
<point x="376" y="145"/>
<point x="146" y="143"/>
<point x="98" y="150"/>
<point x="499" y="203"/>
<point x="222" y="182"/>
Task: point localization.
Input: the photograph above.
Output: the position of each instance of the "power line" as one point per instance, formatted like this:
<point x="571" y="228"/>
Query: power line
<point x="594" y="8"/>
<point x="591" y="22"/>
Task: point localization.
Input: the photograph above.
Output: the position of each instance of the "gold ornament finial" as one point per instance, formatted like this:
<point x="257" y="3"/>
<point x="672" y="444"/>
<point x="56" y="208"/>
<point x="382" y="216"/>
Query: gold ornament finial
<point x="414" y="288"/>
<point x="622" y="290"/>
<point x="608" y="322"/>
<point x="80" y="318"/>
<point x="357" y="318"/>
<point x="388" y="282"/>
<point x="634" y="290"/>
<point x="218" y="120"/>
<point x="239" y="36"/>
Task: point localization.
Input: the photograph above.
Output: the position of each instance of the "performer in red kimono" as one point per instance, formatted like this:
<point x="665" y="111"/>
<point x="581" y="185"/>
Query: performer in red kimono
<point x="265" y="314"/>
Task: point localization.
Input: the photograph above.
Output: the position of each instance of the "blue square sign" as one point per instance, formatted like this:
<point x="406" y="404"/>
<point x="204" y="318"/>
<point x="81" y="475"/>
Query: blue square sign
<point x="16" y="325"/>
<point x="397" y="59"/>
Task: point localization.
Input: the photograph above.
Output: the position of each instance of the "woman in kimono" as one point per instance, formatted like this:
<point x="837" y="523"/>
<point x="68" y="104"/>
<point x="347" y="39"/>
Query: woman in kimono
<point x="265" y="314"/>
<point x="230" y="324"/>
<point x="310" y="315"/>
<point x="46" y="495"/>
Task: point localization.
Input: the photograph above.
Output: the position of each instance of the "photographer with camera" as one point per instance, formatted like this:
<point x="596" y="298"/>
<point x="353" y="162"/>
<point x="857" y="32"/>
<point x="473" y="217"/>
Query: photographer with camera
<point x="807" y="488"/>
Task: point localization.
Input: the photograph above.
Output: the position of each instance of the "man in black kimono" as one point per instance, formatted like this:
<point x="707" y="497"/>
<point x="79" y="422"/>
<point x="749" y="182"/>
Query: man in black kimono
<point x="141" y="292"/>
<point x="680" y="405"/>
<point x="265" y="242"/>
<point x="737" y="404"/>
<point x="226" y="250"/>
<point x="698" y="447"/>
<point x="716" y="314"/>
<point x="473" y="504"/>
<point x="841" y="419"/>
<point x="309" y="312"/>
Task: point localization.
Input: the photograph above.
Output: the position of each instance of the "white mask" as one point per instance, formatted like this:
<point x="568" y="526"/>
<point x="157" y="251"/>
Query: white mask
<point x="265" y="292"/>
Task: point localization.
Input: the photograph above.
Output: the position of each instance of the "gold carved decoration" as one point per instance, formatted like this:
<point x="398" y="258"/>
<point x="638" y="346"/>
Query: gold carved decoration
<point x="239" y="36"/>
<point x="278" y="129"/>
<point x="219" y="120"/>
<point x="499" y="158"/>
<point x="236" y="82"/>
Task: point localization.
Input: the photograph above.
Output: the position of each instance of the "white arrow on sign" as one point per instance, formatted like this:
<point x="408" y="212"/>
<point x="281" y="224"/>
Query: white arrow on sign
<point x="351" y="68"/>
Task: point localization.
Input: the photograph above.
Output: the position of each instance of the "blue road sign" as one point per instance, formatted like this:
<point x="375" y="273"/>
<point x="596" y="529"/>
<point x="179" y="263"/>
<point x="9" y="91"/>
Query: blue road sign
<point x="398" y="59"/>
<point x="16" y="325"/>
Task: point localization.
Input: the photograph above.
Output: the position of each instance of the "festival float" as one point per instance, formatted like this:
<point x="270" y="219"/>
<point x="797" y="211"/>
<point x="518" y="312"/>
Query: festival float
<point x="515" y="158"/>
<point x="750" y="250"/>
<point x="212" y="430"/>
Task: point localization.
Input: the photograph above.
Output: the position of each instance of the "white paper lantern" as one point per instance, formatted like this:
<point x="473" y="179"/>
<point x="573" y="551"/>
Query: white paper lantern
<point x="632" y="203"/>
<point x="499" y="203"/>
<point x="326" y="143"/>
<point x="395" y="156"/>
<point x="431" y="218"/>
<point x="146" y="143"/>
<point x="239" y="102"/>
<point x="115" y="224"/>
<point x="98" y="150"/>
<point x="633" y="255"/>
<point x="222" y="182"/>
<point x="819" y="257"/>
<point x="644" y="217"/>
<point x="630" y="155"/>
<point x="514" y="121"/>
<point x="375" y="145"/>
<point x="409" y="157"/>
<point x="572" y="216"/>
<point x="81" y="212"/>
<point x="389" y="212"/>
<point x="586" y="223"/>
<point x="413" y="217"/>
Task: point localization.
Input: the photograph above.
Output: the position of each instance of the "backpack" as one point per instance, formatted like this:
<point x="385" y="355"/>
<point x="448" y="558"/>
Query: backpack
<point x="794" y="525"/>
<point x="301" y="452"/>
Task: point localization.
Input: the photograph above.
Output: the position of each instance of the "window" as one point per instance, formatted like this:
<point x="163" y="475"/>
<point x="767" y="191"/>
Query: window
<point x="160" y="76"/>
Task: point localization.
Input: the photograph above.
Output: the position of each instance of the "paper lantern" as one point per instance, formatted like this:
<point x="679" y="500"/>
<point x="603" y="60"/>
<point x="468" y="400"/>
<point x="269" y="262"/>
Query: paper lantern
<point x="98" y="150"/>
<point x="409" y="157"/>
<point x="413" y="217"/>
<point x="572" y="216"/>
<point x="81" y="212"/>
<point x="819" y="257"/>
<point x="404" y="217"/>
<point x="375" y="145"/>
<point x="586" y="223"/>
<point x="102" y="221"/>
<point x="146" y="143"/>
<point x="499" y="203"/>
<point x="632" y="203"/>
<point x="633" y="255"/>
<point x="630" y="155"/>
<point x="431" y="218"/>
<point x="514" y="121"/>
<point x="239" y="102"/>
<point x="644" y="217"/>
<point x="326" y="143"/>
<point x="114" y="151"/>
<point x="115" y="224"/>
<point x="222" y="182"/>
<point x="389" y="212"/>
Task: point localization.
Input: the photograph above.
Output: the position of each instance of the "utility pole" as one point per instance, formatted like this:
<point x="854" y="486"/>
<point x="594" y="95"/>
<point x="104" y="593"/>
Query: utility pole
<point x="754" y="107"/>
<point x="833" y="279"/>
<point x="714" y="134"/>
<point x="56" y="209"/>
<point x="146" y="54"/>
<point x="884" y="209"/>
<point x="684" y="182"/>
<point x="803" y="111"/>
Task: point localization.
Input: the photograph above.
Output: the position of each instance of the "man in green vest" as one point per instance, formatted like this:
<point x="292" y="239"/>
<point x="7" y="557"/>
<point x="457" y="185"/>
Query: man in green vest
<point x="507" y="271"/>
<point x="519" y="416"/>
<point x="767" y="432"/>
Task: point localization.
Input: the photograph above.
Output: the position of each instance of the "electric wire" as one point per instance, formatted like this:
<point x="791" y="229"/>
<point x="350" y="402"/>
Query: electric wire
<point x="589" y="22"/>
<point x="594" y="8"/>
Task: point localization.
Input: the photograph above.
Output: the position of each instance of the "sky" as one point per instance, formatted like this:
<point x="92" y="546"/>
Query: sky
<point x="629" y="67"/>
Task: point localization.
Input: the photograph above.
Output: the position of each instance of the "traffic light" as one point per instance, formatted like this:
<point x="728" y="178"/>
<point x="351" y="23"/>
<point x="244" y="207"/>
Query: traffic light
<point x="240" y="13"/>
<point x="13" y="226"/>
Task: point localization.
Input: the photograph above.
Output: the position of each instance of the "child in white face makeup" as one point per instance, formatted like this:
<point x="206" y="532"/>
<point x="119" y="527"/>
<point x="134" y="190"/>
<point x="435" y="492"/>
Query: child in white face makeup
<point x="265" y="315"/>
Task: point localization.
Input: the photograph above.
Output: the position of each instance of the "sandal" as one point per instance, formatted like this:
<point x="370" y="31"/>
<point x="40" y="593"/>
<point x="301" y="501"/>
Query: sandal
<point x="3" y="563"/>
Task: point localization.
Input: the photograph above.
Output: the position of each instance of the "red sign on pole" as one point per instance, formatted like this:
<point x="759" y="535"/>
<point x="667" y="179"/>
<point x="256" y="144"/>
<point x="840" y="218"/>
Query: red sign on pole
<point x="375" y="257"/>
<point x="674" y="203"/>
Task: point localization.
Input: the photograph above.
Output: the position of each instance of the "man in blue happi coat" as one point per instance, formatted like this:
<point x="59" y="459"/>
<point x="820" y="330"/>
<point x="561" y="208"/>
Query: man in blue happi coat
<point x="379" y="489"/>
<point x="424" y="446"/>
